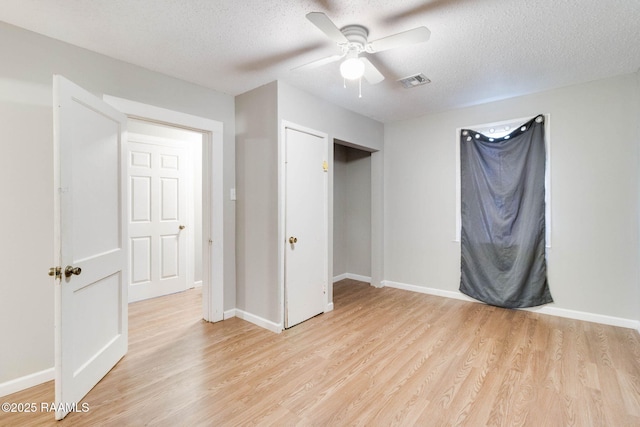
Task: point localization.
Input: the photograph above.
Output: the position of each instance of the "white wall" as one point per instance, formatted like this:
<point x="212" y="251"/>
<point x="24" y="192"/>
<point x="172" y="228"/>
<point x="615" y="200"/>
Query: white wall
<point x="358" y="131"/>
<point x="359" y="212"/>
<point x="593" y="264"/>
<point x="299" y="107"/>
<point x="340" y="250"/>
<point x="351" y="212"/>
<point x="257" y="203"/>
<point x="259" y="114"/>
<point x="26" y="177"/>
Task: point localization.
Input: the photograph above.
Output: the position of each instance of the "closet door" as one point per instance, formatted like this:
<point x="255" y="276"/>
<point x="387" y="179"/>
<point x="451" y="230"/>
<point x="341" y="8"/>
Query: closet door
<point x="306" y="225"/>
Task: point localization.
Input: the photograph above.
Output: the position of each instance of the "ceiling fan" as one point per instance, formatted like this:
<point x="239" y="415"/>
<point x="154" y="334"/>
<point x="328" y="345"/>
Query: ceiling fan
<point x="352" y="41"/>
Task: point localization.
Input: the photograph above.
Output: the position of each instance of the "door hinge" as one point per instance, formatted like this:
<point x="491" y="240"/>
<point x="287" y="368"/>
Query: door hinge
<point x="55" y="271"/>
<point x="325" y="166"/>
<point x="210" y="242"/>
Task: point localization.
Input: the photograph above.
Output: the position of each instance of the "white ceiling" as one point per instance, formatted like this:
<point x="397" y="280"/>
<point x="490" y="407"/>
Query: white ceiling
<point x="479" y="51"/>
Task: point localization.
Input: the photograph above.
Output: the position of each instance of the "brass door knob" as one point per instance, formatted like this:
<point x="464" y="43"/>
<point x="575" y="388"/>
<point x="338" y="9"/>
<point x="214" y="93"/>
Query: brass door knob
<point x="69" y="270"/>
<point x="293" y="240"/>
<point x="182" y="227"/>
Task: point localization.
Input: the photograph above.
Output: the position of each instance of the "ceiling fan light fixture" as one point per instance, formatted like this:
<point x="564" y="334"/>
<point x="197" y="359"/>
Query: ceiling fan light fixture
<point x="352" y="69"/>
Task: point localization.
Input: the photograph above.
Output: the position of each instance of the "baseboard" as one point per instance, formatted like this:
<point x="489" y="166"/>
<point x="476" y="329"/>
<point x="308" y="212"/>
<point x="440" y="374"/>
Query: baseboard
<point x="259" y="321"/>
<point x="229" y="314"/>
<point x="329" y="307"/>
<point x="587" y="317"/>
<point x="352" y="276"/>
<point x="547" y="309"/>
<point x="339" y="277"/>
<point x="429" y="291"/>
<point x="27" y="381"/>
<point x="197" y="284"/>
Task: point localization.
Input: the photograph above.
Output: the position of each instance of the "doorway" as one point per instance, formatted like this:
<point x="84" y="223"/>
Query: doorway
<point x="212" y="211"/>
<point x="165" y="219"/>
<point x="90" y="233"/>
<point x="351" y="214"/>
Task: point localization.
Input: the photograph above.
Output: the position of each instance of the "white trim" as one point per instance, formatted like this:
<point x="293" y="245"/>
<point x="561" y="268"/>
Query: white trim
<point x="229" y="314"/>
<point x="27" y="381"/>
<point x="359" y="278"/>
<point x="547" y="309"/>
<point x="547" y="173"/>
<point x="259" y="321"/>
<point x="213" y="193"/>
<point x="426" y="290"/>
<point x="352" y="276"/>
<point x="162" y="115"/>
<point x="197" y="284"/>
<point x="339" y="277"/>
<point x="329" y="307"/>
<point x="281" y="220"/>
<point x="587" y="317"/>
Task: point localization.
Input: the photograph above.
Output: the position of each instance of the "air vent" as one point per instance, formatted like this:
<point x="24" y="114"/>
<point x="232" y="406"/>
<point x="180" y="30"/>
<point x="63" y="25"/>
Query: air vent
<point x="413" y="81"/>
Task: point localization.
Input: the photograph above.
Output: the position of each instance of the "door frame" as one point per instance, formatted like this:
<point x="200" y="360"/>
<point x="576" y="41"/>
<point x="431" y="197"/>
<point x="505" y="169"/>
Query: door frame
<point x="282" y="215"/>
<point x="212" y="193"/>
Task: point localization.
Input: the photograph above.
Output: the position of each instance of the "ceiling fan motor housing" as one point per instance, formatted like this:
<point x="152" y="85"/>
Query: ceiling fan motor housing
<point x="357" y="36"/>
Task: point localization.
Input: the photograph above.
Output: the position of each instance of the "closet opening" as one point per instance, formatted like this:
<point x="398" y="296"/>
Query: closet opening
<point x="352" y="206"/>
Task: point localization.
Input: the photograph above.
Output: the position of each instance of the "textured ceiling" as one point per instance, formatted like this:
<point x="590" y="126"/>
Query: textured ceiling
<point x="479" y="51"/>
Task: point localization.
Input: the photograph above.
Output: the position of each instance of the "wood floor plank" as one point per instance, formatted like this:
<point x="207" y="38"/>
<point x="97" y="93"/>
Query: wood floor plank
<point x="381" y="357"/>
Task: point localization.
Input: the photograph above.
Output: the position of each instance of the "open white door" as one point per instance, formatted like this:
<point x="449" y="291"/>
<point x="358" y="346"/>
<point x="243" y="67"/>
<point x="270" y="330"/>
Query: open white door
<point x="91" y="250"/>
<point x="306" y="225"/>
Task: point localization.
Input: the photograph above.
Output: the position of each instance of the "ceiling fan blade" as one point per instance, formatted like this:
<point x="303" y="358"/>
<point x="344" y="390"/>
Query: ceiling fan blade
<point x="371" y="73"/>
<point x="417" y="35"/>
<point x="327" y="26"/>
<point x="318" y="62"/>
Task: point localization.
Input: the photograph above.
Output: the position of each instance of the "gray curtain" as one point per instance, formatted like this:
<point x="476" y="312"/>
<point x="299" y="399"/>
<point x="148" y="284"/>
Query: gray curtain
<point x="503" y="217"/>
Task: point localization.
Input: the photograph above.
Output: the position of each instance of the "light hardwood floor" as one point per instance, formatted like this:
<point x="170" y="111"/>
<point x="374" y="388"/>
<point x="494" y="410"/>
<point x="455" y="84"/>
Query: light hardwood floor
<point x="382" y="357"/>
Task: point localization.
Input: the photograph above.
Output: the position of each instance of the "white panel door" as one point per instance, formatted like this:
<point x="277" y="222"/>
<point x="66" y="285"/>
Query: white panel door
<point x="90" y="192"/>
<point x="306" y="225"/>
<point x="157" y="217"/>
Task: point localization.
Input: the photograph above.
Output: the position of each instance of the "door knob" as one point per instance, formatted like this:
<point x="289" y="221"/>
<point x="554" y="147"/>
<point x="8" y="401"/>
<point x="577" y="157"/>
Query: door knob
<point x="293" y="240"/>
<point x="182" y="227"/>
<point x="68" y="271"/>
